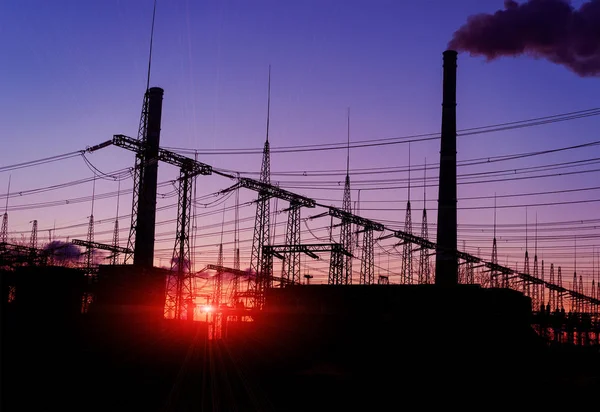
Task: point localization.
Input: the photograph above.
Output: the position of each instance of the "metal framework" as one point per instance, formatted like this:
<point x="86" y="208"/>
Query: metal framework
<point x="179" y="287"/>
<point x="102" y="246"/>
<point x="89" y="251"/>
<point x="11" y="254"/>
<point x="262" y="230"/>
<point x="407" y="257"/>
<point x="346" y="237"/>
<point x="33" y="239"/>
<point x="556" y="291"/>
<point x="337" y="277"/>
<point x="424" y="274"/>
<point x="138" y="176"/>
<point x="236" y="257"/>
<point x="90" y="245"/>
<point x="4" y="232"/>
<point x="367" y="264"/>
<point x="217" y="315"/>
<point x="260" y="264"/>
<point x="290" y="273"/>
<point x="337" y="253"/>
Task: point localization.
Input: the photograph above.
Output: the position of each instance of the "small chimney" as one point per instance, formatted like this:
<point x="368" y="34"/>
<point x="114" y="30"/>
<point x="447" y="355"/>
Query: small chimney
<point x="446" y="262"/>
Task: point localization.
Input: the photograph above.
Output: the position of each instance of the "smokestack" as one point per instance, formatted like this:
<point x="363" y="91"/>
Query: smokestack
<point x="143" y="254"/>
<point x="446" y="263"/>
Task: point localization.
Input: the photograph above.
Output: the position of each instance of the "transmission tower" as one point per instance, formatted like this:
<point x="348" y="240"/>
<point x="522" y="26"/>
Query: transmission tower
<point x="582" y="292"/>
<point x="4" y="232"/>
<point x="552" y="298"/>
<point x="367" y="264"/>
<point x="559" y="297"/>
<point x="115" y="242"/>
<point x="526" y="290"/>
<point x="542" y="294"/>
<point x="217" y="315"/>
<point x="406" y="273"/>
<point x="236" y="249"/>
<point x="346" y="225"/>
<point x="468" y="271"/>
<point x="535" y="297"/>
<point x="34" y="235"/>
<point x="89" y="254"/>
<point x="33" y="242"/>
<point x="495" y="282"/>
<point x="575" y="288"/>
<point x="290" y="273"/>
<point x="179" y="287"/>
<point x="219" y="274"/>
<point x="424" y="267"/>
<point x="259" y="262"/>
<point x="219" y="278"/>
<point x="336" y="264"/>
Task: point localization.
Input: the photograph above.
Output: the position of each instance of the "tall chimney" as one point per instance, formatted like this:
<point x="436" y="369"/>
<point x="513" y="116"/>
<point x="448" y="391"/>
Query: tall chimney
<point x="446" y="263"/>
<point x="143" y="254"/>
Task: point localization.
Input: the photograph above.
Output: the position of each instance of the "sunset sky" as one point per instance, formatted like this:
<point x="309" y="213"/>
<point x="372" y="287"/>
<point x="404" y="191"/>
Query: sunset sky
<point x="73" y="74"/>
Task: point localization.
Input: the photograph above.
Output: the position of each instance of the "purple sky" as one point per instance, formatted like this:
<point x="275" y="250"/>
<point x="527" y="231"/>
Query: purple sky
<point x="73" y="74"/>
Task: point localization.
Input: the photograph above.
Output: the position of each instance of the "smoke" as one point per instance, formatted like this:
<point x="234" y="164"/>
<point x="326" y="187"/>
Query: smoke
<point x="550" y="29"/>
<point x="63" y="252"/>
<point x="175" y="264"/>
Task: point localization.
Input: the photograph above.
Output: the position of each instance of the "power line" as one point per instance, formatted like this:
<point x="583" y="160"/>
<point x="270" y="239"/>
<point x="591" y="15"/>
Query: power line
<point x="400" y="140"/>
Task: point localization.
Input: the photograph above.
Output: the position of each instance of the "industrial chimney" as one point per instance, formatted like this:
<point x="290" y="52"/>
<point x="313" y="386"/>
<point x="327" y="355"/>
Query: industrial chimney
<point x="446" y="262"/>
<point x="143" y="254"/>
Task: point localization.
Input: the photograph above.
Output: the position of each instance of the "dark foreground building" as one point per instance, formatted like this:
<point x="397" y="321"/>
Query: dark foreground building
<point x="317" y="347"/>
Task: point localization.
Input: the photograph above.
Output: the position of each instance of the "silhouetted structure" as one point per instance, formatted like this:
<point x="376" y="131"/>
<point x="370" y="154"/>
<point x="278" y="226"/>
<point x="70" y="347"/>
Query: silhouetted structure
<point x="146" y="208"/>
<point x="446" y="263"/>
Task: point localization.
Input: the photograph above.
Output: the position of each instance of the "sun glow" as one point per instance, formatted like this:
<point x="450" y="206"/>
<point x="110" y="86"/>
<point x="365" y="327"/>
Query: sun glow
<point x="207" y="308"/>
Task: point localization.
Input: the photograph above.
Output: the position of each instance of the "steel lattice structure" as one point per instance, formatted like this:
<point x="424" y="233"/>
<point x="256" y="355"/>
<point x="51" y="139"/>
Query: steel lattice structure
<point x="258" y="261"/>
<point x="345" y="277"/>
<point x="407" y="257"/>
<point x="262" y="231"/>
<point x="138" y="176"/>
<point x="337" y="253"/>
<point x="290" y="273"/>
<point x="179" y="286"/>
<point x="424" y="276"/>
<point x="367" y="264"/>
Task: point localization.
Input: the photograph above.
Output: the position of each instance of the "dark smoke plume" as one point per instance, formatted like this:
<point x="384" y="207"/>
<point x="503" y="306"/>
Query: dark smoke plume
<point x="550" y="29"/>
<point x="64" y="253"/>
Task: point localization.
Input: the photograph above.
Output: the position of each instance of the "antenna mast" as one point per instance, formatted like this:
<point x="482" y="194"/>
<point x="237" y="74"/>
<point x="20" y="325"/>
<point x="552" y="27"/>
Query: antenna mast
<point x="348" y="146"/>
<point x="151" y="41"/>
